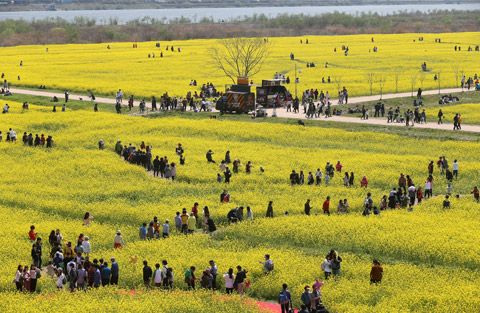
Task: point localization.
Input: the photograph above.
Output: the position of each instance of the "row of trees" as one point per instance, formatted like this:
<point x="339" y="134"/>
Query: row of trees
<point x="373" y="78"/>
<point x="244" y="57"/>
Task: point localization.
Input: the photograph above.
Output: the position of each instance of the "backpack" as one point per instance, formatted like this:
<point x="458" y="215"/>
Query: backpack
<point x="284" y="297"/>
<point x="169" y="273"/>
<point x="68" y="252"/>
<point x="187" y="273"/>
<point x="269" y="265"/>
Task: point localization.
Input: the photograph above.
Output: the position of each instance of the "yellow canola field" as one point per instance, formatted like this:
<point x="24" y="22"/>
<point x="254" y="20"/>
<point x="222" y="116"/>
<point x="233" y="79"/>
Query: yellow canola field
<point x="429" y="256"/>
<point x="469" y="112"/>
<point x="93" y="67"/>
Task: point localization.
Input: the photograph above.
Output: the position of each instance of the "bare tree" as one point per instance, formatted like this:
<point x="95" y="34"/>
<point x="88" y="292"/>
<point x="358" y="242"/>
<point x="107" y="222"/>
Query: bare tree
<point x="456" y="72"/>
<point x="338" y="81"/>
<point x="240" y="57"/>
<point x="413" y="81"/>
<point x="396" y="77"/>
<point x="422" y="79"/>
<point x="381" y="79"/>
<point x="462" y="74"/>
<point x="438" y="79"/>
<point x="370" y="78"/>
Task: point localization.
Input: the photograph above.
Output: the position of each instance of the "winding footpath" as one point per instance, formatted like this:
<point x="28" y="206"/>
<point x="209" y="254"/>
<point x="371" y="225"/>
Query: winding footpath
<point x="282" y="113"/>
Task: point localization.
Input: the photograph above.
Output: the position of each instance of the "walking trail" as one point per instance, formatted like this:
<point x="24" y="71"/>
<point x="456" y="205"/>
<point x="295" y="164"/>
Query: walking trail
<point x="282" y="113"/>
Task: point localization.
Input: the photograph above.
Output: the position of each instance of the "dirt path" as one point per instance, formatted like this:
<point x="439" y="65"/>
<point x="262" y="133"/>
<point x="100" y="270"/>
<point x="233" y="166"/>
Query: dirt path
<point x="375" y="121"/>
<point x="281" y="113"/>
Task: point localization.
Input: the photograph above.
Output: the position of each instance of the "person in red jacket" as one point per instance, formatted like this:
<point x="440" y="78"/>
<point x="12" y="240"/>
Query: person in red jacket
<point x="195" y="210"/>
<point x="339" y="167"/>
<point x="33" y="235"/>
<point x="364" y="182"/>
<point x="419" y="194"/>
<point x="476" y="193"/>
<point x="326" y="206"/>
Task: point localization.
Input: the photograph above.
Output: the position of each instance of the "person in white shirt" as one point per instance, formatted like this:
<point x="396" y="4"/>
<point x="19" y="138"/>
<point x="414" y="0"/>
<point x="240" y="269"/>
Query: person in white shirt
<point x="13" y="135"/>
<point x="59" y="237"/>
<point x="428" y="188"/>
<point x="18" y="278"/>
<point x="118" y="241"/>
<point x="166" y="229"/>
<point x="69" y="268"/>
<point x="249" y="214"/>
<point x="455" y="169"/>
<point x="157" y="276"/>
<point x="229" y="280"/>
<point x="60" y="278"/>
<point x="86" y="246"/>
<point x="318" y="176"/>
<point x="167" y="275"/>
<point x="327" y="267"/>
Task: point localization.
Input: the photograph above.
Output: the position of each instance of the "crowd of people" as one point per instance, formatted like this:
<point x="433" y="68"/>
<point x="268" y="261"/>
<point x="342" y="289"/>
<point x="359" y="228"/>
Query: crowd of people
<point x="69" y="264"/>
<point x="143" y="156"/>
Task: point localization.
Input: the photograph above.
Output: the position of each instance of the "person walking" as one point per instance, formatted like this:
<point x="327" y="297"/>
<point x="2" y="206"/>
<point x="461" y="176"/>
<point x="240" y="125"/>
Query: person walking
<point x="191" y="223"/>
<point x="105" y="274"/>
<point x="326" y="266"/>
<point x="115" y="270"/>
<point x="118" y="240"/>
<point x="60" y="279"/>
<point x="214" y="273"/>
<point x="455" y="168"/>
<point x="167" y="275"/>
<point x="306" y="298"/>
<point x="268" y="264"/>
<point x="308" y="208"/>
<point x="157" y="276"/>
<point x="476" y="193"/>
<point x="335" y="263"/>
<point x="147" y="274"/>
<point x="440" y="117"/>
<point x="285" y="299"/>
<point x="326" y="206"/>
<point x="190" y="277"/>
<point x="270" y="209"/>
<point x="240" y="280"/>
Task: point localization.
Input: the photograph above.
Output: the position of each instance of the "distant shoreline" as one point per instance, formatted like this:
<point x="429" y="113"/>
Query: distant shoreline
<point x="87" y="30"/>
<point x="136" y="4"/>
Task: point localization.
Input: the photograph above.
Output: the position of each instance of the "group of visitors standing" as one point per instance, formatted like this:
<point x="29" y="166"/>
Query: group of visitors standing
<point x="29" y="140"/>
<point x="67" y="262"/>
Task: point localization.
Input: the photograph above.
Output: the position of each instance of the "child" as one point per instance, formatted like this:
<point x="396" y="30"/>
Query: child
<point x="327" y="179"/>
<point x="32" y="234"/>
<point x="449" y="189"/>
<point x="50" y="269"/>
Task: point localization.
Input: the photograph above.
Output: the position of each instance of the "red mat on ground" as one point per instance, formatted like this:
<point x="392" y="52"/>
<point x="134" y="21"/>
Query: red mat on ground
<point x="270" y="307"/>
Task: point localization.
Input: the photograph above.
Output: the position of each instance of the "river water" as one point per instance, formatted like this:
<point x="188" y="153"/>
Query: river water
<point x="226" y="14"/>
